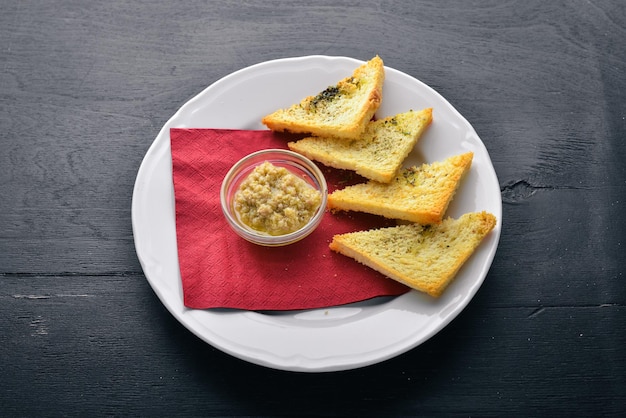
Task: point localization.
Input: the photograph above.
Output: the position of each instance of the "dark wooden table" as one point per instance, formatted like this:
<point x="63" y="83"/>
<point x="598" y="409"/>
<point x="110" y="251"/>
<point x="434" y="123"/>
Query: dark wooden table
<point x="85" y="87"/>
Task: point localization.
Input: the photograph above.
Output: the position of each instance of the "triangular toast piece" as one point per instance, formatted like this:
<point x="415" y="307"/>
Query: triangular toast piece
<point x="341" y="111"/>
<point x="417" y="194"/>
<point x="380" y="151"/>
<point x="424" y="258"/>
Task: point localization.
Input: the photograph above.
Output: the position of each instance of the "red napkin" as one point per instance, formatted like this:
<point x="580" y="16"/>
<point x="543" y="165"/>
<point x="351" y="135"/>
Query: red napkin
<point x="221" y="270"/>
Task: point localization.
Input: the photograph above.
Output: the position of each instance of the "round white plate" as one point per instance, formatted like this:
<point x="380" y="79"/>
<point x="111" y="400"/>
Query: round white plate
<point x="334" y="338"/>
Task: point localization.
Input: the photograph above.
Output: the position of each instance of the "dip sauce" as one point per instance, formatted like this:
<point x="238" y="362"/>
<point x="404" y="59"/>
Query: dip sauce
<point x="275" y="201"/>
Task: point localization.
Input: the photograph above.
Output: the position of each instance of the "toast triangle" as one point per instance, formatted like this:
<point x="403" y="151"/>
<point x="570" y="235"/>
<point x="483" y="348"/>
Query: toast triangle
<point x="380" y="151"/>
<point x="341" y="111"/>
<point x="424" y="258"/>
<point x="416" y="194"/>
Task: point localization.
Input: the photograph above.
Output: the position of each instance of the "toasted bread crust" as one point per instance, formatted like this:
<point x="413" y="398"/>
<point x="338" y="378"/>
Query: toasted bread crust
<point x="424" y="258"/>
<point x="416" y="194"/>
<point x="341" y="111"/>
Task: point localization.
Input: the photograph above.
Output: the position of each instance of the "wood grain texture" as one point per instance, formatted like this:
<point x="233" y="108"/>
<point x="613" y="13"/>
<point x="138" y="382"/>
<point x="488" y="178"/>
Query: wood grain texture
<point x="86" y="86"/>
<point x="103" y="348"/>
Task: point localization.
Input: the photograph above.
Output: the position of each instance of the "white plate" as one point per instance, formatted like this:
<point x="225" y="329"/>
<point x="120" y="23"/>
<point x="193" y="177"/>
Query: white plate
<point x="335" y="338"/>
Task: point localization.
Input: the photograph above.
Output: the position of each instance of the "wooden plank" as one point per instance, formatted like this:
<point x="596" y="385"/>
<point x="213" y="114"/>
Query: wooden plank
<point x="91" y="347"/>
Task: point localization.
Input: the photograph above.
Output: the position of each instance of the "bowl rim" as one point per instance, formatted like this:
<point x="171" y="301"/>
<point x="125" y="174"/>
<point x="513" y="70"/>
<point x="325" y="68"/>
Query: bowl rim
<point x="303" y="163"/>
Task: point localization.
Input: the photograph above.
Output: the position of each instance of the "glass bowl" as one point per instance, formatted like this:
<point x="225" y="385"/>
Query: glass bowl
<point x="296" y="164"/>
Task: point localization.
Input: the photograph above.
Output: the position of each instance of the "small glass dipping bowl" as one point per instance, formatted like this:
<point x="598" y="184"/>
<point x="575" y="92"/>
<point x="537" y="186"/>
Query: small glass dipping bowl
<point x="296" y="164"/>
